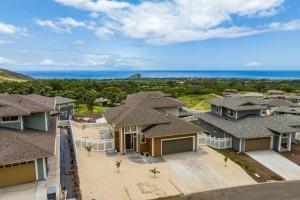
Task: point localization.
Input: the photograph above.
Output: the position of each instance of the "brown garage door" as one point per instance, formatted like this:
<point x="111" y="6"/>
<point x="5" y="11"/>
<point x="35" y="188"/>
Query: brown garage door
<point x="257" y="144"/>
<point x="177" y="145"/>
<point x="17" y="173"/>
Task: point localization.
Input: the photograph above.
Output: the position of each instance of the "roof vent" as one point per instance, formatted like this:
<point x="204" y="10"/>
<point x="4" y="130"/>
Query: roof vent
<point x="158" y="97"/>
<point x="167" y="114"/>
<point x="151" y="97"/>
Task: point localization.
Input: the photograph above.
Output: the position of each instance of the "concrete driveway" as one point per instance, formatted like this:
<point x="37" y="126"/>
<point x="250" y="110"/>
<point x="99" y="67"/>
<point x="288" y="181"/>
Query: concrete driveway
<point x="19" y="192"/>
<point x="204" y="170"/>
<point x="277" y="163"/>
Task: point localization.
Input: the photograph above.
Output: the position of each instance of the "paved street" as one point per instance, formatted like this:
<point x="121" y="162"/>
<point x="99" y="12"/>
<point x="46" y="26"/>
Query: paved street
<point x="275" y="191"/>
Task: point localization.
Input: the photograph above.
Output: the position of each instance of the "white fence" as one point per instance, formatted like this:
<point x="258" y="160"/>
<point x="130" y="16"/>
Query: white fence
<point x="218" y="143"/>
<point x="97" y="145"/>
<point x="89" y="125"/>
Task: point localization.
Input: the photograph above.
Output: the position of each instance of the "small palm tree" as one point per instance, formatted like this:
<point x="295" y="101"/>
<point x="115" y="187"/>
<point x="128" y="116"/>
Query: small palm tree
<point x="154" y="171"/>
<point x="118" y="165"/>
<point x="89" y="149"/>
<point x="225" y="160"/>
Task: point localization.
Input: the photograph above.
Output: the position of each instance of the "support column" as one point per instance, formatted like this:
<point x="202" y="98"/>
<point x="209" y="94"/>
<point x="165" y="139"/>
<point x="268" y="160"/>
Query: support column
<point x="290" y="142"/>
<point x="279" y="143"/>
<point x="121" y="141"/>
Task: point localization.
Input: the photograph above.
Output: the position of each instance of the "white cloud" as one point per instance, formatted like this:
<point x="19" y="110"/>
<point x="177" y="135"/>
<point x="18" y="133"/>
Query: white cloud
<point x="47" y="62"/>
<point x="5" y="61"/>
<point x="6" y="42"/>
<point x="96" y="6"/>
<point x="12" y="30"/>
<point x="78" y="42"/>
<point x="173" y="21"/>
<point x="63" y="25"/>
<point x="253" y="64"/>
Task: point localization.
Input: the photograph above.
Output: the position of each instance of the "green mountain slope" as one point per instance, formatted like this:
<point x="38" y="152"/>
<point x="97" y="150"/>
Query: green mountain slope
<point x="6" y="75"/>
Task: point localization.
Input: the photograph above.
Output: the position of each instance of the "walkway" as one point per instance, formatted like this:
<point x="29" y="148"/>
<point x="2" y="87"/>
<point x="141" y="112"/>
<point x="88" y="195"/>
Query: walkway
<point x="277" y="163"/>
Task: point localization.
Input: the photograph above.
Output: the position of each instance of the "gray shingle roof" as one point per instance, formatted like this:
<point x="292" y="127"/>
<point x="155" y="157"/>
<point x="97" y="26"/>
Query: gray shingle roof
<point x="240" y="103"/>
<point x="28" y="144"/>
<point x="287" y="109"/>
<point x="280" y="102"/>
<point x="15" y="104"/>
<point x="175" y="127"/>
<point x="63" y="100"/>
<point x="141" y="109"/>
<point x="253" y="127"/>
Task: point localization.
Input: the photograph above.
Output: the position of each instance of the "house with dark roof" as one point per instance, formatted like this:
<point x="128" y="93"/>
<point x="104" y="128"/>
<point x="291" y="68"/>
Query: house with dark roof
<point x="27" y="138"/>
<point x="148" y="123"/>
<point x="242" y="119"/>
<point x="65" y="107"/>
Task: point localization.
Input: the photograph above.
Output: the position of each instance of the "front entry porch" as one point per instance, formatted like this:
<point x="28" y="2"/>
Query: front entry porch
<point x="283" y="142"/>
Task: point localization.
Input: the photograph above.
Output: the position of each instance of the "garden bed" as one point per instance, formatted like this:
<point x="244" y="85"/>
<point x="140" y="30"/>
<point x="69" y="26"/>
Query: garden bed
<point x="251" y="166"/>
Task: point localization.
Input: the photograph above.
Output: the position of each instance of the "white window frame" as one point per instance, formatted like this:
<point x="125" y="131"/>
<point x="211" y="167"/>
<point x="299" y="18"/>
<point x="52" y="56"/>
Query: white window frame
<point x="10" y="121"/>
<point x="284" y="135"/>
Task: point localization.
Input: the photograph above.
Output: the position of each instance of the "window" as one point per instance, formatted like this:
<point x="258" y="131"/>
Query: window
<point x="284" y="135"/>
<point x="10" y="119"/>
<point x="142" y="138"/>
<point x="133" y="128"/>
<point x="230" y="113"/>
<point x="214" y="130"/>
<point x="129" y="129"/>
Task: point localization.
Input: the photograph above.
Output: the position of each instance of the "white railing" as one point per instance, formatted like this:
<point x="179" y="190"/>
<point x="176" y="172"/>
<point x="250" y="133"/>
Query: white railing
<point x="64" y="123"/>
<point x="89" y="125"/>
<point x="97" y="145"/>
<point x="218" y="143"/>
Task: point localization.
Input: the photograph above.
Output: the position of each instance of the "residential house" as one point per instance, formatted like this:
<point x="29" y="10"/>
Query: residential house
<point x="230" y="92"/>
<point x="27" y="138"/>
<point x="283" y="110"/>
<point x="294" y="99"/>
<point x="276" y="94"/>
<point x="254" y="94"/>
<point x="101" y="101"/>
<point x="147" y="122"/>
<point x="242" y="120"/>
<point x="65" y="107"/>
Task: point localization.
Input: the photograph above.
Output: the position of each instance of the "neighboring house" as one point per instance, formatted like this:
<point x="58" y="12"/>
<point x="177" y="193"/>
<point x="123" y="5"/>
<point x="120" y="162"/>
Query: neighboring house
<point x="276" y="94"/>
<point x="282" y="110"/>
<point x="65" y="106"/>
<point x="230" y="92"/>
<point x="294" y="99"/>
<point x="242" y="120"/>
<point x="101" y="101"/>
<point x="254" y="94"/>
<point x="273" y="104"/>
<point x="147" y="122"/>
<point x="27" y="138"/>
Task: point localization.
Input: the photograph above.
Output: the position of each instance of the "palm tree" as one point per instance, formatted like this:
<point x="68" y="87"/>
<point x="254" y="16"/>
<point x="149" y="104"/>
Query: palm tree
<point x="89" y="149"/>
<point x="154" y="171"/>
<point x="118" y="164"/>
<point x="225" y="160"/>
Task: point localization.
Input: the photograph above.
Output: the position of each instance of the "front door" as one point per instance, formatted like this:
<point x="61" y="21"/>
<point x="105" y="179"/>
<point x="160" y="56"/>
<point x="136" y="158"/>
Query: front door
<point x="129" y="141"/>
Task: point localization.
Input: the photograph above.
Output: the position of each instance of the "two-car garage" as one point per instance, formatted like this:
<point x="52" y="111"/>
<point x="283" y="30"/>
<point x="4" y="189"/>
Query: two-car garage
<point x="13" y="174"/>
<point x="177" y="145"/>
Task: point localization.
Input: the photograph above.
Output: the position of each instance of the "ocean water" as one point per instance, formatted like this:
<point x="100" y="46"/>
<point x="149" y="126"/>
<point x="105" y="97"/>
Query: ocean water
<point x="276" y="75"/>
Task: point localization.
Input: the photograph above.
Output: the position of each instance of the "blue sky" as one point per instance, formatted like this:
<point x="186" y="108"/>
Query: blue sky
<point x="150" y="35"/>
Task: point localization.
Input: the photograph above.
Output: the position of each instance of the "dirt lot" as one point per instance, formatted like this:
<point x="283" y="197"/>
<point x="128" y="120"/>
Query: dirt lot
<point x="293" y="155"/>
<point x="99" y="178"/>
<point x="251" y="166"/>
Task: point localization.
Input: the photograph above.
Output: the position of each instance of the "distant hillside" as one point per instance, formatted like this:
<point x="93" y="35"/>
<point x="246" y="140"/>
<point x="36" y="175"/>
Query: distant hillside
<point x="6" y="75"/>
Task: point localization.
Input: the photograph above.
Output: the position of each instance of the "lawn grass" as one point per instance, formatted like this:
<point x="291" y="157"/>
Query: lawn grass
<point x="82" y="109"/>
<point x="197" y="102"/>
